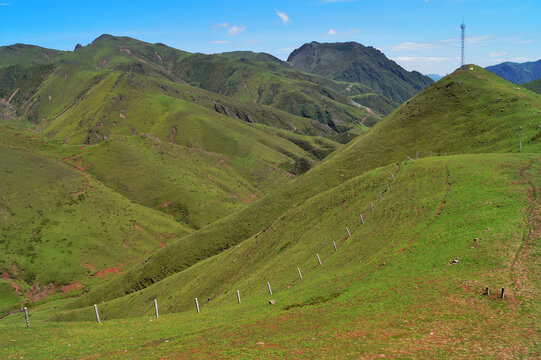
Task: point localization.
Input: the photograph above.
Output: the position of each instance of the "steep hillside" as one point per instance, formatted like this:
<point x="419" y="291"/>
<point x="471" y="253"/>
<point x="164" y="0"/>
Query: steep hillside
<point x="59" y="226"/>
<point x="354" y="62"/>
<point x="534" y="86"/>
<point x="408" y="282"/>
<point x="470" y="111"/>
<point x="517" y="73"/>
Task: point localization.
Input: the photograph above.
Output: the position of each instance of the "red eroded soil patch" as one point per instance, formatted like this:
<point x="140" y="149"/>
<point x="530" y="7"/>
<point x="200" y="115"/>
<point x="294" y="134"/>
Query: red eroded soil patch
<point x="16" y="288"/>
<point x="108" y="270"/>
<point x="165" y="204"/>
<point x="161" y="244"/>
<point x="5" y="275"/>
<point x="37" y="292"/>
<point x="134" y="223"/>
<point x="67" y="288"/>
<point x="99" y="273"/>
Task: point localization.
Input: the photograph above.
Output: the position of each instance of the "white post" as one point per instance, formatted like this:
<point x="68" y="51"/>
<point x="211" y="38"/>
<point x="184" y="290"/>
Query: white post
<point x="387" y="184"/>
<point x="238" y="296"/>
<point x="156" y="308"/>
<point x="299" y="271"/>
<point x="318" y="259"/>
<point x="349" y="234"/>
<point x="393" y="176"/>
<point x="26" y="317"/>
<point x="197" y="305"/>
<point x="380" y="196"/>
<point x="334" y="245"/>
<point x="270" y="290"/>
<point x="445" y="154"/>
<point x="362" y="220"/>
<point x="371" y="206"/>
<point x="97" y="314"/>
<point x="417" y="155"/>
<point x="430" y="152"/>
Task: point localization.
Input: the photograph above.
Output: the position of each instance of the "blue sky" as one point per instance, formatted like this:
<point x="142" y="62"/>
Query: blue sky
<point x="420" y="35"/>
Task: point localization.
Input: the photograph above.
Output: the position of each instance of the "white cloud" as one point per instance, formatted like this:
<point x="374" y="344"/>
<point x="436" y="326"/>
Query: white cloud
<point x="414" y="46"/>
<point x="216" y="27"/>
<point x="234" y="30"/>
<point x="219" y="42"/>
<point x="332" y="32"/>
<point x="526" y="41"/>
<point x="478" y="39"/>
<point x="495" y="54"/>
<point x="283" y="16"/>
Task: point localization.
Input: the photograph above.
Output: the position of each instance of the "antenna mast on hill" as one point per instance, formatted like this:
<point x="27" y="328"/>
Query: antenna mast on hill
<point x="463" y="29"/>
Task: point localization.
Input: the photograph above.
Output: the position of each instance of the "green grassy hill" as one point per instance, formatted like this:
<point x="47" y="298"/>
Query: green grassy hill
<point x="314" y="102"/>
<point x="171" y="199"/>
<point x="408" y="282"/>
<point x="60" y="226"/>
<point x="464" y="115"/>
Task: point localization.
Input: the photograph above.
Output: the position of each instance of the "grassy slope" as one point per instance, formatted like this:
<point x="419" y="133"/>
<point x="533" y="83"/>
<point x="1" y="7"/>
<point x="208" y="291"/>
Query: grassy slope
<point x="454" y="122"/>
<point x="197" y="187"/>
<point x="57" y="220"/>
<point x="389" y="289"/>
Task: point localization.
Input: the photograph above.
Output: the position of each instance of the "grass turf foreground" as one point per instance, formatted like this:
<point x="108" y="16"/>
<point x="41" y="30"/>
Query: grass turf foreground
<point x="391" y="290"/>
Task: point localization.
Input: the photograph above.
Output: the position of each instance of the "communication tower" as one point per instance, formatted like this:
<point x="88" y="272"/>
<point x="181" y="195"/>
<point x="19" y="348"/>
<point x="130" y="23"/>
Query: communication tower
<point x="463" y="29"/>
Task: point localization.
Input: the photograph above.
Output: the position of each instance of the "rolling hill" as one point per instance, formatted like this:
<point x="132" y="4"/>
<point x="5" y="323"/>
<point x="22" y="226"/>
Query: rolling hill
<point x="278" y="90"/>
<point x="517" y="73"/>
<point x="409" y="280"/>
<point x="464" y="116"/>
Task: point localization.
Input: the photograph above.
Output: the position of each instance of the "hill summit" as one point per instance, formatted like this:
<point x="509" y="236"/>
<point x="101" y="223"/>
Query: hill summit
<point x="353" y="62"/>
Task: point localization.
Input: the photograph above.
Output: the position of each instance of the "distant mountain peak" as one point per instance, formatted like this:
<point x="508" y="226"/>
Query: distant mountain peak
<point x="354" y="62"/>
